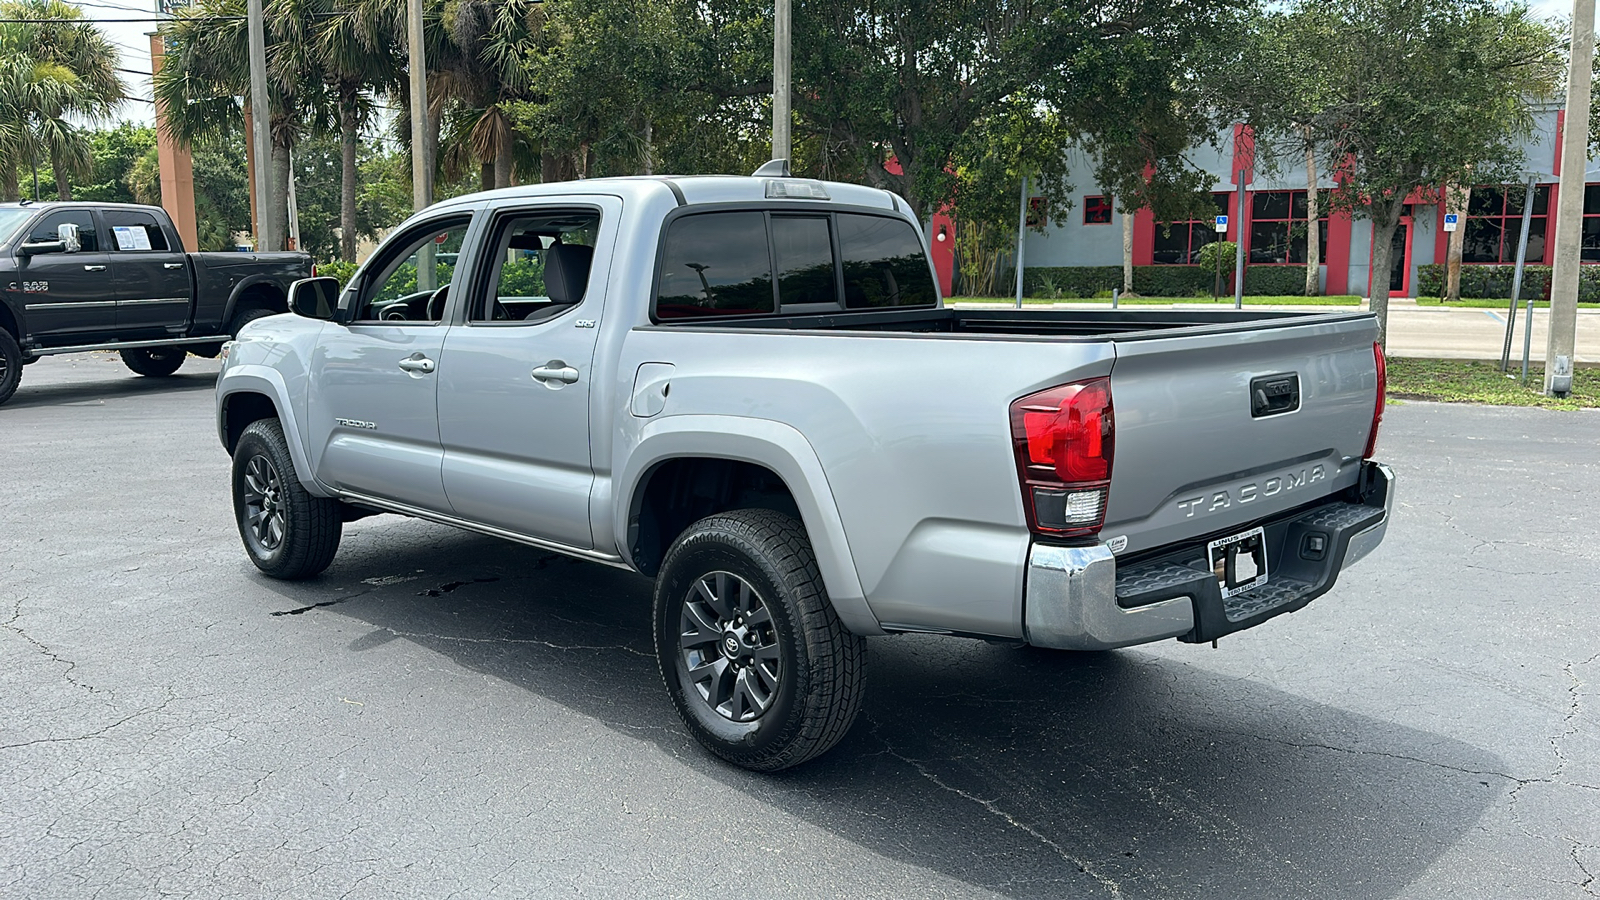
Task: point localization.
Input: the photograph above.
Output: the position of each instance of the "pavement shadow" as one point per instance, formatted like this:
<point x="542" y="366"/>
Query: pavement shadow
<point x="1028" y="773"/>
<point x="116" y="386"/>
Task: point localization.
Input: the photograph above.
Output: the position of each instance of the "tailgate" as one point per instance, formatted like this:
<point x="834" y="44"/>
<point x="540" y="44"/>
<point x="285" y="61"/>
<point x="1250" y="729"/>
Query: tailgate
<point x="1222" y="425"/>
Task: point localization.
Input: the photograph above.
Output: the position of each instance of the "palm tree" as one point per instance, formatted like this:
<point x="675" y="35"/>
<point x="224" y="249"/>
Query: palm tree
<point x="52" y="72"/>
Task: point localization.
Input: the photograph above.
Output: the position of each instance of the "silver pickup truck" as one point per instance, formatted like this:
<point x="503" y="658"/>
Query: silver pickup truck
<point x="750" y="390"/>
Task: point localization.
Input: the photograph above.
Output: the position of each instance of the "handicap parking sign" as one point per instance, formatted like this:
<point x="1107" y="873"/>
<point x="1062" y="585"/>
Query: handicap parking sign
<point x="1222" y="223"/>
<point x="1450" y="220"/>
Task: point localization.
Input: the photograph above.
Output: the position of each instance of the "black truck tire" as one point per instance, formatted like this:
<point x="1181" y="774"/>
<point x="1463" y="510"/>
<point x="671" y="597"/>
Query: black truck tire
<point x="288" y="532"/>
<point x="10" y="365"/>
<point x="156" y="362"/>
<point x="245" y="316"/>
<point x="757" y="663"/>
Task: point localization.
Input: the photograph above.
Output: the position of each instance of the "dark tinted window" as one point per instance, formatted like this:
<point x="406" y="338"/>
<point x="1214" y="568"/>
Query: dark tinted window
<point x="803" y="248"/>
<point x="134" y="231"/>
<point x="884" y="264"/>
<point x="45" y="230"/>
<point x="715" y="264"/>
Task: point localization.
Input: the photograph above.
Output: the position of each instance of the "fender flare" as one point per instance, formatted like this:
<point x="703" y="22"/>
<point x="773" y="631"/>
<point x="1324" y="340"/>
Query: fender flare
<point x="762" y="442"/>
<point x="256" y="379"/>
<point x="239" y="290"/>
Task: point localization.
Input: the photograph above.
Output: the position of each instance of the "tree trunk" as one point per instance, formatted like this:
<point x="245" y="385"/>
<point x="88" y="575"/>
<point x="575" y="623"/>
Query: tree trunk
<point x="502" y="154"/>
<point x="1456" y="199"/>
<point x="1127" y="253"/>
<point x="1385" y="219"/>
<point x="485" y="176"/>
<point x="1313" y="237"/>
<point x="348" y="175"/>
<point x="280" y="198"/>
<point x="10" y="185"/>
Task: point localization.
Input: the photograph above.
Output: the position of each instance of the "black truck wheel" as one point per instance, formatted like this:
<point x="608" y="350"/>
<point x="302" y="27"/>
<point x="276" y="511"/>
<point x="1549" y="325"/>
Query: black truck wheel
<point x="288" y="533"/>
<point x="245" y="316"/>
<point x="10" y="365"/>
<point x="757" y="663"/>
<point x="156" y="362"/>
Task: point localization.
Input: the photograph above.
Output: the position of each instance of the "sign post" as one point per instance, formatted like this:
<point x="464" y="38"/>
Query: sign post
<point x="1216" y="284"/>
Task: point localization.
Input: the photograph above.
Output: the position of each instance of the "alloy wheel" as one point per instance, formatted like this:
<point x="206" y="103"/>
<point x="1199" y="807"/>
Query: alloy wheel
<point x="728" y="647"/>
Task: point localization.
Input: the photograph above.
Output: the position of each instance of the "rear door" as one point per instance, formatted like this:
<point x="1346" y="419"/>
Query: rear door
<point x="372" y="410"/>
<point x="67" y="297"/>
<point x="516" y="376"/>
<point x="1225" y="425"/>
<point x="151" y="273"/>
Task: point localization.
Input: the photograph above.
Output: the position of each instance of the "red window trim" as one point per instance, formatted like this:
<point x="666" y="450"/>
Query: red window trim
<point x="1322" y="225"/>
<point x="1106" y="204"/>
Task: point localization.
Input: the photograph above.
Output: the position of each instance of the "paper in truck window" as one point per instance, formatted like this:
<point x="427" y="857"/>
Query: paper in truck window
<point x="131" y="237"/>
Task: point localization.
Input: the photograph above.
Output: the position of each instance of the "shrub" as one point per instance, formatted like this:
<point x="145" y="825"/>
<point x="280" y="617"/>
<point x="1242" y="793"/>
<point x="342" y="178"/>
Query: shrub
<point x="1274" y="281"/>
<point x="1160" y="281"/>
<point x="337" y="269"/>
<point x="1495" y="281"/>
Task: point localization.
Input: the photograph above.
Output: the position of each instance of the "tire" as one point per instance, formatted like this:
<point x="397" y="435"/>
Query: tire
<point x="155" y="362"/>
<point x="245" y="316"/>
<point x="11" y="364"/>
<point x="287" y="532"/>
<point x="794" y="686"/>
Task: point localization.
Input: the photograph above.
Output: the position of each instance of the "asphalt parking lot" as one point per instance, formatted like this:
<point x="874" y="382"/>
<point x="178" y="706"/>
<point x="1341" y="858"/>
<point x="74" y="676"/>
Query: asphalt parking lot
<point x="446" y="715"/>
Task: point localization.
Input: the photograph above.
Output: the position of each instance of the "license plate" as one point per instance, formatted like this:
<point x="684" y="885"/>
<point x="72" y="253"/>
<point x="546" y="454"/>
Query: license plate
<point x="1240" y="561"/>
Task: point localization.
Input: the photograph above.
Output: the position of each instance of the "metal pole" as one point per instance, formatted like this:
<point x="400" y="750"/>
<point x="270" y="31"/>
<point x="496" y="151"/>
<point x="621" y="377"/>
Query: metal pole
<point x="267" y="237"/>
<point x="421" y="164"/>
<point x="1569" y="208"/>
<point x="780" y="80"/>
<point x="1022" y="230"/>
<point x="1516" y="278"/>
<point x="1238" y="254"/>
<point x="1527" y="340"/>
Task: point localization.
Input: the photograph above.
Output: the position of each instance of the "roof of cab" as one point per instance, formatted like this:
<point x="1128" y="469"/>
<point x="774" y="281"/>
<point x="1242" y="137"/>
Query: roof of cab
<point x="695" y="189"/>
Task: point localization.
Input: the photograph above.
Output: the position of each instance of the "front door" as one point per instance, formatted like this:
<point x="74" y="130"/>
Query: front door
<point x="151" y="270"/>
<point x="372" y="417"/>
<point x="514" y="386"/>
<point x="67" y="297"/>
<point x="1400" y="260"/>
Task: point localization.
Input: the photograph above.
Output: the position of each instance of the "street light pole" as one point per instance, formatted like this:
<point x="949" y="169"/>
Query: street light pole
<point x="780" y="80"/>
<point x="267" y="237"/>
<point x="1569" y="206"/>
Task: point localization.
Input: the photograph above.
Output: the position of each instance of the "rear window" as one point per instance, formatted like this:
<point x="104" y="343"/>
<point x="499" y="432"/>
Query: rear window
<point x="722" y="264"/>
<point x="716" y="265"/>
<point x="883" y="263"/>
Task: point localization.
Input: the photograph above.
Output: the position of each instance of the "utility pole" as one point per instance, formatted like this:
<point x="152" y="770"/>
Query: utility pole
<point x="1238" y="250"/>
<point x="1569" y="206"/>
<point x="1022" y="233"/>
<point x="780" y="80"/>
<point x="268" y="237"/>
<point x="421" y="161"/>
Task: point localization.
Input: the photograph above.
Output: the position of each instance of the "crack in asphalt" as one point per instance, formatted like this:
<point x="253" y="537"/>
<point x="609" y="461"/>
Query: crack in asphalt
<point x="993" y="808"/>
<point x="11" y="625"/>
<point x="534" y="641"/>
<point x="443" y="589"/>
<point x="100" y="732"/>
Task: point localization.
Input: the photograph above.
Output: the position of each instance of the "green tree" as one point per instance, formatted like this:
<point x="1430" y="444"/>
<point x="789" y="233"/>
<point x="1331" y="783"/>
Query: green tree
<point x="56" y="71"/>
<point x="1402" y="96"/>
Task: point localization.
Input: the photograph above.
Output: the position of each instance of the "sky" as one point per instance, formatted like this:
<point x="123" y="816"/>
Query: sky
<point x="131" y="41"/>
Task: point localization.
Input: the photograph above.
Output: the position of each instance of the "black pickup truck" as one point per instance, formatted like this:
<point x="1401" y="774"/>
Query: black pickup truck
<point x="112" y="276"/>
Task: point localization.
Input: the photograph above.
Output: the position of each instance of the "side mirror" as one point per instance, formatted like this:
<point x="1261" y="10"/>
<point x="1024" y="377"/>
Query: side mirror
<point x="67" y="233"/>
<point x="314" y="298"/>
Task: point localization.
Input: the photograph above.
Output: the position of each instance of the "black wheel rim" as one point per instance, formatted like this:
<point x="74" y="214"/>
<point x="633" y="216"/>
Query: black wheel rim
<point x="263" y="503"/>
<point x="728" y="647"/>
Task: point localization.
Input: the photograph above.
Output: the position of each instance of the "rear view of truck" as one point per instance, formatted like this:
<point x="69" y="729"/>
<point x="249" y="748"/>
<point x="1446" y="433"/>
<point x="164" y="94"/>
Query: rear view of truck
<point x="1215" y="479"/>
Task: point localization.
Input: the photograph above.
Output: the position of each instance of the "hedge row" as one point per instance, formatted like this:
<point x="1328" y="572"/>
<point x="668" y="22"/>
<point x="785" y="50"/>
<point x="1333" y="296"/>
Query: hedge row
<point x="1159" y="281"/>
<point x="1495" y="281"/>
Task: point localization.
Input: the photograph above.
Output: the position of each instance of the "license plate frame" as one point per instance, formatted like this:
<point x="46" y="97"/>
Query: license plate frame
<point x="1224" y="556"/>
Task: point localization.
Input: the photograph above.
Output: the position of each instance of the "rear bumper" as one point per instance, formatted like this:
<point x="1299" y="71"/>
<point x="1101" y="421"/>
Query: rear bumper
<point x="1077" y="599"/>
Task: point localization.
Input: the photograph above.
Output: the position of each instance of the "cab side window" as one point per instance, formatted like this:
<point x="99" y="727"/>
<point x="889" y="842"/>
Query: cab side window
<point x="541" y="262"/>
<point x="46" y="229"/>
<point x="716" y="264"/>
<point x="412" y="278"/>
<point x="134" y="231"/>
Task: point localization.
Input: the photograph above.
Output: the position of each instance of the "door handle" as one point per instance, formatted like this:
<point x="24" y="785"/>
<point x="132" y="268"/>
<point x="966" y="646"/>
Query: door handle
<point x="172" y="265"/>
<point x="94" y="268"/>
<point x="417" y="363"/>
<point x="555" y="370"/>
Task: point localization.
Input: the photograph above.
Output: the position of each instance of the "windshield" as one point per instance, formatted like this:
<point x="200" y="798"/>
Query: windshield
<point x="11" y="220"/>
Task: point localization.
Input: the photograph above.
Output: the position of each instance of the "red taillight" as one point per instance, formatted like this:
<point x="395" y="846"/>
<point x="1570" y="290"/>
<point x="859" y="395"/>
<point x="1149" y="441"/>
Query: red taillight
<point x="1064" y="439"/>
<point x="1377" y="409"/>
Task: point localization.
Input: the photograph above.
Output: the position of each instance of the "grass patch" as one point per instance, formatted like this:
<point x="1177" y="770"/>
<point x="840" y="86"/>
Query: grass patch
<point x="1470" y="381"/>
<point x="1481" y="303"/>
<point x="1290" y="300"/>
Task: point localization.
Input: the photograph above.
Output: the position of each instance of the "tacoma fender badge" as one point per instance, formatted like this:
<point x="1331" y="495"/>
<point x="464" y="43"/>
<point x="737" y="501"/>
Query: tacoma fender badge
<point x="583" y="323"/>
<point x="357" y="423"/>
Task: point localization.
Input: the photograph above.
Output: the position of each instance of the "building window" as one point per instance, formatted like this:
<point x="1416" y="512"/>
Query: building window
<point x="1097" y="210"/>
<point x="1591" y="224"/>
<point x="1278" y="227"/>
<point x="1038" y="212"/>
<point x="1494" y="224"/>
<point x="1179" y="243"/>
